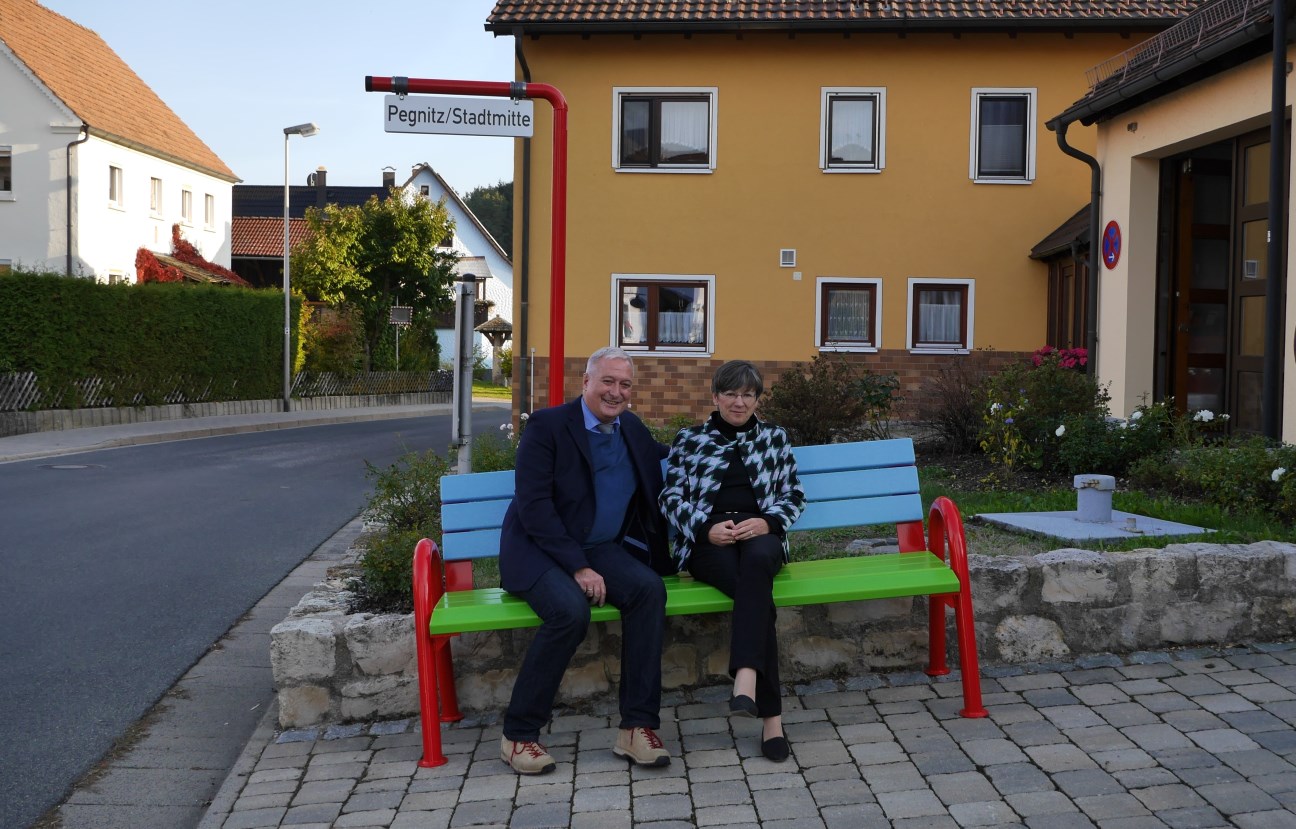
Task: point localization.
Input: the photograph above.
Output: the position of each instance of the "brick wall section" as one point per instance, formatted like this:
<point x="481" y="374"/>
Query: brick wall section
<point x="666" y="386"/>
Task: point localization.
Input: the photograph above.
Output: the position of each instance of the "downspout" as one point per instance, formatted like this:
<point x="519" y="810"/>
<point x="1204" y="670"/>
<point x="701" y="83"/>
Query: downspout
<point x="1094" y="265"/>
<point x="85" y="136"/>
<point x="1271" y="376"/>
<point x="524" y="261"/>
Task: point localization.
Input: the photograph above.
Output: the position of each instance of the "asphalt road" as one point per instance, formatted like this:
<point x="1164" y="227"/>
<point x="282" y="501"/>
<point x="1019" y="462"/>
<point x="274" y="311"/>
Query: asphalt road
<point x="121" y="567"/>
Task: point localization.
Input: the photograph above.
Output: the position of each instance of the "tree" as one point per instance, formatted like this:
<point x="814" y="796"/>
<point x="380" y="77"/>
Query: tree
<point x="493" y="207"/>
<point x="377" y="255"/>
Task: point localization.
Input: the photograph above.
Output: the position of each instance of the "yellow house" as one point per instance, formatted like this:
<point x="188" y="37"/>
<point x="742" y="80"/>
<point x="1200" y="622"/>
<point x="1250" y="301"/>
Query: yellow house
<point x="1184" y="147"/>
<point x="773" y="181"/>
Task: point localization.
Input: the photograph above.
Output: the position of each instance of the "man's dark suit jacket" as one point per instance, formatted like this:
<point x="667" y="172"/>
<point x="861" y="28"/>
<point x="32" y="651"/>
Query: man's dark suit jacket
<point x="553" y="508"/>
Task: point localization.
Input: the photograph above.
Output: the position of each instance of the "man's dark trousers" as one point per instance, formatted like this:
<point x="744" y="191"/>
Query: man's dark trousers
<point x="634" y="589"/>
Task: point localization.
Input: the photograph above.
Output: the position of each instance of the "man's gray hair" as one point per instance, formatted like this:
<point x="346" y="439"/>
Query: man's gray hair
<point x="610" y="352"/>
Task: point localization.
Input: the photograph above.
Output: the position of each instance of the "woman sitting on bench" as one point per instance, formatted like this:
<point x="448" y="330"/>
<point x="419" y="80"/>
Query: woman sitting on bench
<point x="731" y="493"/>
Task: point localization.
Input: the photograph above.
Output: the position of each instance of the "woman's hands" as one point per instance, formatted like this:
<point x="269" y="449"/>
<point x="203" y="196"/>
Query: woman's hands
<point x="727" y="532"/>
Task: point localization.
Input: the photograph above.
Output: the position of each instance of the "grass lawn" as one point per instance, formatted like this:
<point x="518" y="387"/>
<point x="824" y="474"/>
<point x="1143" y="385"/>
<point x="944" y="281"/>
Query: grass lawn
<point x="482" y="388"/>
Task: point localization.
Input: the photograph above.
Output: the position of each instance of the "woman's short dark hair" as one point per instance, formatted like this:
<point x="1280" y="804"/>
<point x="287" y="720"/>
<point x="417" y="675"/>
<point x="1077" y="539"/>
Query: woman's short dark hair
<point x="738" y="375"/>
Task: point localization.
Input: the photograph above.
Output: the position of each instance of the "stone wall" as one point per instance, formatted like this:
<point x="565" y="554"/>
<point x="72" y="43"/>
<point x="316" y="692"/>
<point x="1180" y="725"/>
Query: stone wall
<point x="333" y="667"/>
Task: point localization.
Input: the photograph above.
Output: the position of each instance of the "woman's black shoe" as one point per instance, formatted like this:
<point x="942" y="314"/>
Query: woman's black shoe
<point x="742" y="705"/>
<point x="776" y="749"/>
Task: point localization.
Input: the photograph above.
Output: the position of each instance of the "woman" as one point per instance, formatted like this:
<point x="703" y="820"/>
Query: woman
<point x="731" y="494"/>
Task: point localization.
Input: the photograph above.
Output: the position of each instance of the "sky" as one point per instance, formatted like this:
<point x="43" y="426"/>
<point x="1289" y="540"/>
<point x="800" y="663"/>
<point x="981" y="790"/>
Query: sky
<point x="239" y="71"/>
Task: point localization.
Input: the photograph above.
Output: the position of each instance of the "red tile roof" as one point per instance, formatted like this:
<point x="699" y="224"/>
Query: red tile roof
<point x="641" y="15"/>
<point x="263" y="236"/>
<point x="88" y="77"/>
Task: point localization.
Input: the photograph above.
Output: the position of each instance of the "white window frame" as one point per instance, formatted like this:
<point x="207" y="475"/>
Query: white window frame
<point x="155" y="196"/>
<point x="969" y="345"/>
<point x="614" y="337"/>
<point x="116" y="185"/>
<point x="209" y="211"/>
<point x="827" y="94"/>
<point x="821" y="284"/>
<point x="1031" y="94"/>
<point x="186" y="206"/>
<point x="6" y="153"/>
<point x="710" y="92"/>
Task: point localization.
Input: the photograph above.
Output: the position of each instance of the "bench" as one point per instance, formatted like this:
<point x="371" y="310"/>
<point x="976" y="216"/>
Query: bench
<point x="846" y="485"/>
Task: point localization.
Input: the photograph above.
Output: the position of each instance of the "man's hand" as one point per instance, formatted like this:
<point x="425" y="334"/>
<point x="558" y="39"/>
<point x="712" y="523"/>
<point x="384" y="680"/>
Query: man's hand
<point x="591" y="584"/>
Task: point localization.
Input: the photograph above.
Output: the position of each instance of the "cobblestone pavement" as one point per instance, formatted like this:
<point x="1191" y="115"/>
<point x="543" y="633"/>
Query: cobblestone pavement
<point x="1188" y="738"/>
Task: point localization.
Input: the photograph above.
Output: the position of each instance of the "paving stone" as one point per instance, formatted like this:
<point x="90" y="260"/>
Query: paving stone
<point x="993" y="752"/>
<point x="1049" y="697"/>
<point x="1266" y="820"/>
<point x="1072" y="716"/>
<point x="907" y="804"/>
<point x="836" y="793"/>
<point x="1123" y="759"/>
<point x="1039" y="732"/>
<point x="1166" y="701"/>
<point x="983" y="813"/>
<point x="1087" y="782"/>
<point x="1200" y="818"/>
<point x="1057" y="757"/>
<point x="1206" y="775"/>
<point x="665" y="807"/>
<point x="1103" y="693"/>
<point x="1257" y="762"/>
<point x="1031" y="804"/>
<point x="1196" y="719"/>
<point x="942" y="762"/>
<point x="1156" y="737"/>
<point x="1019" y="778"/>
<point x="1103" y="807"/>
<point x="893" y="777"/>
<point x="1164" y="798"/>
<point x="1237" y="797"/>
<point x="1143" y="778"/>
<point x="312" y="813"/>
<point x="1221" y="740"/>
<point x="964" y="787"/>
<point x="855" y="816"/>
<point x="1126" y="713"/>
<point x="783" y="805"/>
<point x="724" y="793"/>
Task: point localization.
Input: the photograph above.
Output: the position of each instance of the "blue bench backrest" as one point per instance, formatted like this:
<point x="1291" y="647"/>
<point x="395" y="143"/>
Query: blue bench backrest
<point x="846" y="485"/>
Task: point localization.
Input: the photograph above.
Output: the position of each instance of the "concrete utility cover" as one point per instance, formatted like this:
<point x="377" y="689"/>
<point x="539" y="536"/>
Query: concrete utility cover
<point x="1064" y="525"/>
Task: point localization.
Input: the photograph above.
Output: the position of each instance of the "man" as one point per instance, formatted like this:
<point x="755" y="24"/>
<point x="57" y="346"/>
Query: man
<point x="584" y="528"/>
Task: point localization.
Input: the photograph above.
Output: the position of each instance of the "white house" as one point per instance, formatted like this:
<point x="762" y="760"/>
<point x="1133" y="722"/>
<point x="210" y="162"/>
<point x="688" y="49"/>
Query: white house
<point x="479" y="254"/>
<point x="93" y="164"/>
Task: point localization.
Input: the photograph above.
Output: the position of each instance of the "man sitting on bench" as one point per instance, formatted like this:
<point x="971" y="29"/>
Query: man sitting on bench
<point x="584" y="528"/>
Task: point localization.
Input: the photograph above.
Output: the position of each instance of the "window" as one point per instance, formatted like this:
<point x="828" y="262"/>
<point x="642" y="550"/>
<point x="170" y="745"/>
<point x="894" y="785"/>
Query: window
<point x="1003" y="136"/>
<point x="6" y="172"/>
<point x="663" y="313"/>
<point x="446" y="242"/>
<point x="851" y="135"/>
<point x="186" y="206"/>
<point x="424" y="190"/>
<point x="940" y="314"/>
<point x="209" y="211"/>
<point x="115" y="186"/>
<point x="848" y="314"/>
<point x="155" y="196"/>
<point x="664" y="130"/>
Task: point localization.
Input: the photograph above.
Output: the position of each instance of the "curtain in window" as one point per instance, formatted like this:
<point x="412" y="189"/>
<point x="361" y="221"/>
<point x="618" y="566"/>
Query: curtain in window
<point x="940" y="316"/>
<point x="1002" y="137"/>
<point x="684" y="132"/>
<point x="852" y="131"/>
<point x="848" y="316"/>
<point x="682" y="317"/>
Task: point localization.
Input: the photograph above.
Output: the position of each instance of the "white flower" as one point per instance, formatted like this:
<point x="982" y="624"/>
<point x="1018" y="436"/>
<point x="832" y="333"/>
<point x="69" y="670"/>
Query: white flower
<point x="1122" y="424"/>
<point x="994" y="408"/>
<point x="524" y="416"/>
<point x="1204" y="416"/>
<point x="1136" y="415"/>
<point x="504" y="427"/>
<point x="1061" y="430"/>
<point x="1224" y="417"/>
<point x="1277" y="473"/>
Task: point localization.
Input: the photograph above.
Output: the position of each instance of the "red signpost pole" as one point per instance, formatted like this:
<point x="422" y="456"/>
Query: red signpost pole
<point x="558" y="234"/>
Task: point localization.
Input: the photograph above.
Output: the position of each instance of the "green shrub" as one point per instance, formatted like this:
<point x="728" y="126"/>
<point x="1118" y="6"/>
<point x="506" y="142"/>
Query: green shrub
<point x="506" y="362"/>
<point x="1092" y="443"/>
<point x="830" y="401"/>
<point x="666" y="431"/>
<point x="1243" y="475"/>
<point x="492" y="453"/>
<point x="406" y="503"/>
<point x="1024" y="404"/>
<point x="333" y="341"/>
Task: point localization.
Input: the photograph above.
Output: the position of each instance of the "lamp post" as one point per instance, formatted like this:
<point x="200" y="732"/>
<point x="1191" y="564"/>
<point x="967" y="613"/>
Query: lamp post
<point x="305" y="131"/>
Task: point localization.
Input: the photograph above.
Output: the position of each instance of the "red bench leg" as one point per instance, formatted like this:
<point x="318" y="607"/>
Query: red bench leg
<point x="945" y="530"/>
<point x="427" y="592"/>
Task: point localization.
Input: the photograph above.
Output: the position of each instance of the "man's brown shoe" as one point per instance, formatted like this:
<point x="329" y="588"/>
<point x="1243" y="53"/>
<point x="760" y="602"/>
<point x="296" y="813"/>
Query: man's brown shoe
<point x="641" y="745"/>
<point x="526" y="757"/>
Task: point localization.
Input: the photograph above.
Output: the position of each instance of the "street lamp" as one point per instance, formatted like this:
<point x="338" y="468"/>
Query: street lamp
<point x="305" y="131"/>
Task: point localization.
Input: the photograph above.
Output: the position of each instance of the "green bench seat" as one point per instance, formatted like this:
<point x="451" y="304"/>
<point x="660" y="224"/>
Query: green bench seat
<point x="846" y="485"/>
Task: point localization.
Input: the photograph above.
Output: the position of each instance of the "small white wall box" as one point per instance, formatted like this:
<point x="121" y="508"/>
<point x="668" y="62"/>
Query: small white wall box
<point x="1094" y="498"/>
<point x="787" y="258"/>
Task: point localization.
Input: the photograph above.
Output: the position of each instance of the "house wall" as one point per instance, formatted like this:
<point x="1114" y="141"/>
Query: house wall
<point x="109" y="236"/>
<point x="469" y="240"/>
<point x="33" y="225"/>
<point x="921" y="216"/>
<point x="33" y="219"/>
<point x="1224" y="106"/>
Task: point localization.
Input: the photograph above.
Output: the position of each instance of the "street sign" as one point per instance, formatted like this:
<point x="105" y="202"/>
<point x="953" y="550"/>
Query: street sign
<point x="458" y="115"/>
<point x="401" y="315"/>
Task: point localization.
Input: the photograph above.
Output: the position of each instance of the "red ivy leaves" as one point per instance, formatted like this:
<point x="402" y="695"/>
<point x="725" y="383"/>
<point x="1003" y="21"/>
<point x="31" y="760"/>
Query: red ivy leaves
<point x="149" y="269"/>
